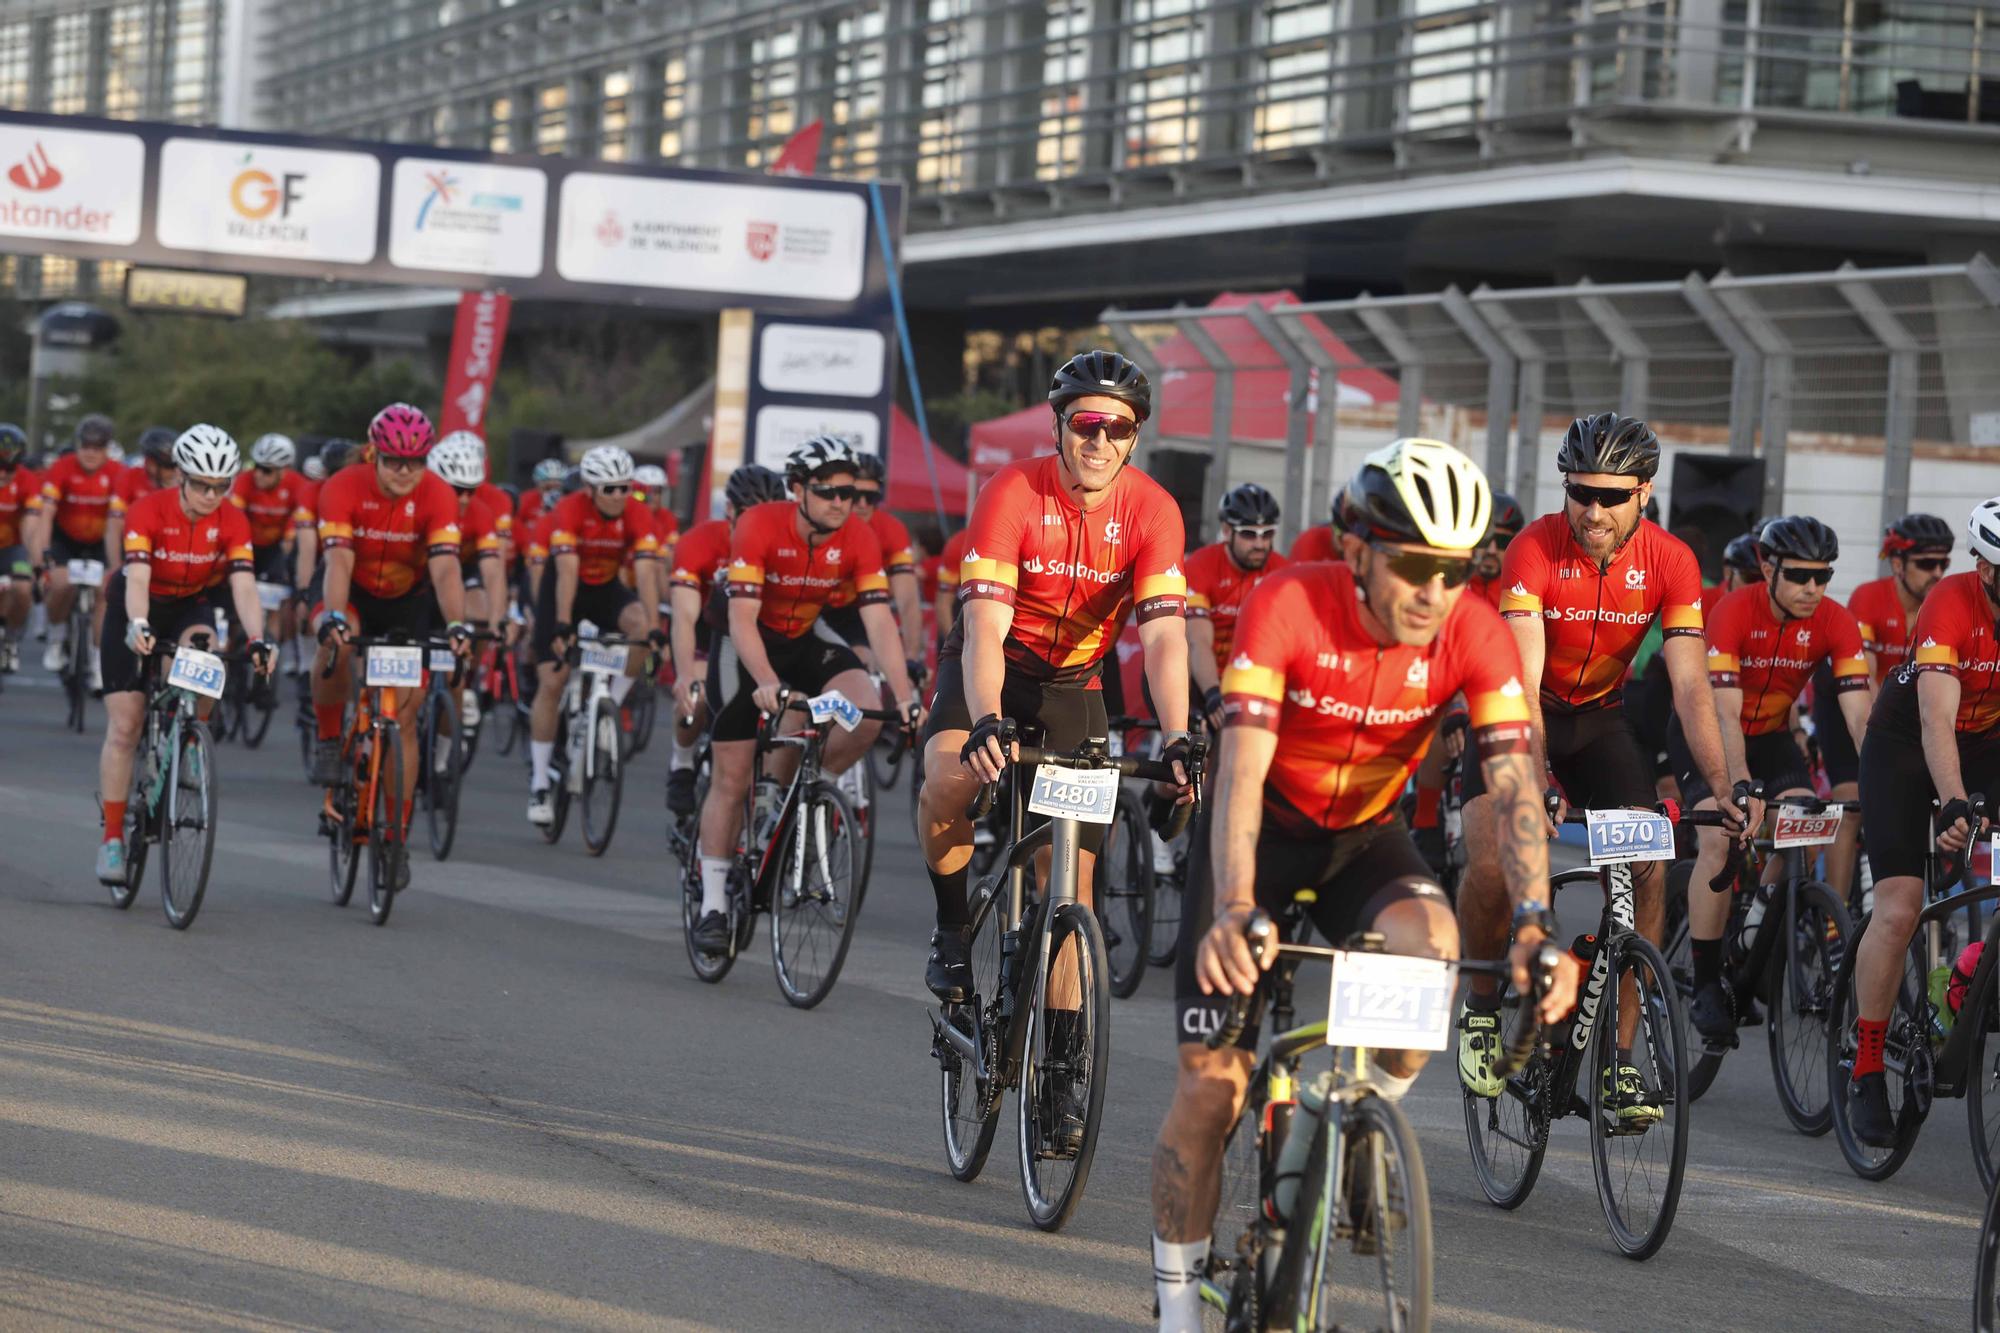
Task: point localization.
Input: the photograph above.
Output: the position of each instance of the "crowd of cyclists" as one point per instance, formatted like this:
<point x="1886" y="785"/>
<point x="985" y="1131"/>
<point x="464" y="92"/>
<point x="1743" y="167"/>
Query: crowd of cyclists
<point x="1332" y="695"/>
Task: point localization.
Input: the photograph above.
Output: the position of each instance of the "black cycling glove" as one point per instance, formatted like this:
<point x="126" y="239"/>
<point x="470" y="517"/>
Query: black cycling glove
<point x="985" y="729"/>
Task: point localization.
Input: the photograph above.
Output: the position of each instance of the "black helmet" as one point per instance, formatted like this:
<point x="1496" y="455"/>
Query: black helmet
<point x="337" y="454"/>
<point x="572" y="480"/>
<point x="753" y="485"/>
<point x="1508" y="516"/>
<point x="867" y="466"/>
<point x="1918" y="532"/>
<point x="1800" y="537"/>
<point x="1339" y="519"/>
<point x="1741" y="556"/>
<point x="1607" y="442"/>
<point x="1101" y="374"/>
<point x="157" y="443"/>
<point x="94" y="429"/>
<point x="1249" y="506"/>
<point x="13" y="443"/>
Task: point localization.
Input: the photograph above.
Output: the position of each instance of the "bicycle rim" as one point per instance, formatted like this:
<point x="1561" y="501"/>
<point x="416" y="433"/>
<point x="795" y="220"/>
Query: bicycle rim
<point x="1064" y="1068"/>
<point x="385" y="823"/>
<point x="438" y="757"/>
<point x="1509" y="1134"/>
<point x="135" y="834"/>
<point x="1985" y="1282"/>
<point x="1982" y="1086"/>
<point x="187" y="827"/>
<point x="1803" y="975"/>
<point x="815" y="895"/>
<point x="1383" y="1215"/>
<point x="1639" y="1175"/>
<point x="1124" y="897"/>
<point x="253" y="721"/>
<point x="603" y="777"/>
<point x="1164" y="924"/>
<point x="970" y="1108"/>
<point x="1906" y="1055"/>
<point x="343" y="852"/>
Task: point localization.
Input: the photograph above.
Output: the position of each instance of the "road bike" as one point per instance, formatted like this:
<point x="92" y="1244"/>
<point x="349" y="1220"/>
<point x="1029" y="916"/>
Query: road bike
<point x="1160" y="873"/>
<point x="86" y="577"/>
<point x="1986" y="1275"/>
<point x="443" y="747"/>
<point x="1298" y="1181"/>
<point x="1038" y="1018"/>
<point x="589" y="761"/>
<point x="249" y="699"/>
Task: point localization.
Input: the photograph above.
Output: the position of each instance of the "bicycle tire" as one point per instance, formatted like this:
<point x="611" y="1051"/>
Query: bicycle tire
<point x="707" y="967"/>
<point x="1053" y="1201"/>
<point x="1982" y="1086"/>
<point x="253" y="720"/>
<point x="137" y="835"/>
<point x="559" y="794"/>
<point x="1799" y="990"/>
<point x="1659" y="1053"/>
<point x="1124" y="895"/>
<point x="75" y="673"/>
<point x="187" y="826"/>
<point x="1906" y="1054"/>
<point x="645" y="714"/>
<point x="343" y="846"/>
<point x="813" y="919"/>
<point x="1986" y="1276"/>
<point x="971" y="1111"/>
<point x="1164" y="946"/>
<point x="603" y="777"/>
<point x="1374" y="1134"/>
<point x="440" y="789"/>
<point x="508" y="706"/>
<point x="1509" y="1134"/>
<point x="385" y="823"/>
<point x="885" y="756"/>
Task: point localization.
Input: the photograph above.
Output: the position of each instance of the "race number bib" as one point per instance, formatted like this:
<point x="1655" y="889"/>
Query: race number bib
<point x="1389" y="1002"/>
<point x="602" y="660"/>
<point x="443" y="660"/>
<point x="1086" y="794"/>
<point x="395" y="667"/>
<point x="1793" y="826"/>
<point x="271" y="596"/>
<point x="197" y="672"/>
<point x="87" y="573"/>
<point x="833" y="706"/>
<point x="1618" y="837"/>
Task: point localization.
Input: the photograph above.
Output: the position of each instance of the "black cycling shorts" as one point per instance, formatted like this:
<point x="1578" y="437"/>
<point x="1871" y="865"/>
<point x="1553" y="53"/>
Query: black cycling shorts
<point x="1596" y="757"/>
<point x="415" y="613"/>
<point x="808" y="663"/>
<point x="846" y="622"/>
<point x="599" y="603"/>
<point x="1896" y="795"/>
<point x="1353" y="874"/>
<point x="169" y="617"/>
<point x="272" y="564"/>
<point x="14" y="562"/>
<point x="1773" y="759"/>
<point x="1836" y="747"/>
<point x="64" y="548"/>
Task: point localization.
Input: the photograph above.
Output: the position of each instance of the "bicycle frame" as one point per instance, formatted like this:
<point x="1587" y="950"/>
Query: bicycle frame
<point x="1950" y="1067"/>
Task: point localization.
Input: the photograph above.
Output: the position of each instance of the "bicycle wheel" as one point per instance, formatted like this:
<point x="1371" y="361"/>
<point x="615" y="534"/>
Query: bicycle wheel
<point x="815" y="895"/>
<point x="1383" y="1211"/>
<point x="137" y="839"/>
<point x="971" y="1105"/>
<point x="1509" y="1134"/>
<point x="645" y="713"/>
<point x="559" y="794"/>
<point x="1799" y="997"/>
<point x="1640" y="1171"/>
<point x="1982" y="1085"/>
<point x="187" y="826"/>
<point x="385" y="823"/>
<point x="343" y="840"/>
<point x="1906" y="1059"/>
<point x="506" y="711"/>
<point x="1165" y="941"/>
<point x="440" y="750"/>
<point x="253" y="714"/>
<point x="603" y="776"/>
<point x="1985" y="1285"/>
<point x="1124" y="895"/>
<point x="885" y="756"/>
<point x="1064" y="1065"/>
<point x="706" y="968"/>
<point x="76" y="676"/>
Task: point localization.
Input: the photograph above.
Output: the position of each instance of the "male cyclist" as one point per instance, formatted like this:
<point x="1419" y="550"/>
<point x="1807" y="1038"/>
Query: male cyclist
<point x="499" y="505"/>
<point x="1508" y="520"/>
<point x="79" y="494"/>
<point x="1933" y="735"/>
<point x="899" y="557"/>
<point x="590" y="535"/>
<point x="1763" y="642"/>
<point x="20" y="512"/>
<point x="459" y="460"/>
<point x="651" y="480"/>
<point x="1219" y="577"/>
<point x="1583" y="587"/>
<point x="180" y="546"/>
<point x="1349" y="664"/>
<point x="1060" y="548"/>
<point x="951" y="565"/>
<point x="1741" y="565"/>
<point x="389" y="530"/>
<point x="279" y="504"/>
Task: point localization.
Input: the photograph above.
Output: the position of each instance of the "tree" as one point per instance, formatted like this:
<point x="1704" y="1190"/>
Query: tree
<point x="595" y="377"/>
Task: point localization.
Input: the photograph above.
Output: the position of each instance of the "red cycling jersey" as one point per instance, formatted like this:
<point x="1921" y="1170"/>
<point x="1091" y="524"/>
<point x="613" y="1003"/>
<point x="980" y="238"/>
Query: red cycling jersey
<point x="899" y="554"/>
<point x="666" y="528"/>
<point x="769" y="560"/>
<point x="135" y="484"/>
<point x="1070" y="575"/>
<point x="1954" y="633"/>
<point x="577" y="527"/>
<point x="392" y="537"/>
<point x="701" y="556"/>
<point x="84" y="501"/>
<point x="530" y="513"/>
<point x="1216" y="587"/>
<point x="272" y="512"/>
<point x="1487" y="590"/>
<point x="20" y="494"/>
<point x="1356" y="716"/>
<point x="186" y="555"/>
<point x="478" y="532"/>
<point x="1885" y="628"/>
<point x="1315" y="544"/>
<point x="950" y="561"/>
<point x="1595" y="619"/>
<point x="1770" y="660"/>
<point x="499" y="506"/>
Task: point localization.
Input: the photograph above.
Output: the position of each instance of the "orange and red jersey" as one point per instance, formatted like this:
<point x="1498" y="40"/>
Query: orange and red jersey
<point x="666" y="528"/>
<point x="273" y="513"/>
<point x="1357" y="715"/>
<point x="951" y="560"/>
<point x="1070" y="575"/>
<point x="701" y="556"/>
<point x="769" y="560"/>
<point x="899" y="553"/>
<point x="500" y="506"/>
<point x="393" y="538"/>
<point x="1770" y="660"/>
<point x="1885" y="629"/>
<point x="1487" y="590"/>
<point x="186" y="555"/>
<point x="529" y="515"/>
<point x="84" y="501"/>
<point x="1315" y="544"/>
<point x="1216" y="587"/>
<point x="1595" y="619"/>
<point x="20" y="495"/>
<point x="135" y="483"/>
<point x="478" y="532"/>
<point x="1954" y="633"/>
<point x="600" y="544"/>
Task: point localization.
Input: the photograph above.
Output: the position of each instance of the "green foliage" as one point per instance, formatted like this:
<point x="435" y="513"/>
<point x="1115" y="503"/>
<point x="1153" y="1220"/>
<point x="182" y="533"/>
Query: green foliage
<point x="601" y="377"/>
<point x="951" y="417"/>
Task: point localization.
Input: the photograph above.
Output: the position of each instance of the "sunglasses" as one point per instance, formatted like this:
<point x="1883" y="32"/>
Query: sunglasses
<point x="1421" y="567"/>
<point x="615" y="488"/>
<point x="862" y="497"/>
<point x="1935" y="564"/>
<point x="263" y="471"/>
<point x="1084" y="425"/>
<point x="1604" y="497"/>
<point x="207" y="487"/>
<point x="834" y="492"/>
<point x="466" y="492"/>
<point x="1793" y="574"/>
<point x="395" y="464"/>
<point x="1258" y="534"/>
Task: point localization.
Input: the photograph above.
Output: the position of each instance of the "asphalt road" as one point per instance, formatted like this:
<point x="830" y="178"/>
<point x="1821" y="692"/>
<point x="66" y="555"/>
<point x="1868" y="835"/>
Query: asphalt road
<point x="514" y="1106"/>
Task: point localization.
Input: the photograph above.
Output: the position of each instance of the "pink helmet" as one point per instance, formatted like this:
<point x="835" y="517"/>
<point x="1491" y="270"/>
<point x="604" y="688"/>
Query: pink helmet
<point x="400" y="431"/>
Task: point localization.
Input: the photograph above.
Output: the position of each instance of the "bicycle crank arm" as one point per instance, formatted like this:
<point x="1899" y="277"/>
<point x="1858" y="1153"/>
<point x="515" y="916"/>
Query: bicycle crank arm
<point x="966" y="1048"/>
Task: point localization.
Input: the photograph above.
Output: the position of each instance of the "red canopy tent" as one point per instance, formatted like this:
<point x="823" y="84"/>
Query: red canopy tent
<point x="909" y="483"/>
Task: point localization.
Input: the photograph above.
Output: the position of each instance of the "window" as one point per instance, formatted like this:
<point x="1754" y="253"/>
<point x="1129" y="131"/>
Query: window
<point x="941" y="155"/>
<point x="69" y="64"/>
<point x="854" y="113"/>
<point x="500" y="125"/>
<point x="673" y="106"/>
<point x="192" y="89"/>
<point x="1066" y="57"/>
<point x="1295" y="95"/>
<point x="552" y="118"/>
<point x="773" y="110"/>
<point x="1164" y="48"/>
<point x="613" y="113"/>
<point x="16" y="42"/>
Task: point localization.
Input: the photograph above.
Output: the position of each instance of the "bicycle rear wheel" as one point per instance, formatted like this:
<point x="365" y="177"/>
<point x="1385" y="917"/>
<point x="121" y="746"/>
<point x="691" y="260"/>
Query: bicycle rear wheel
<point x="885" y="756"/>
<point x="1982" y="1084"/>
<point x="1064" y="1065"/>
<point x="441" y="751"/>
<point x="1986" y="1278"/>
<point x="76" y="676"/>
<point x="187" y="826"/>
<point x="1906" y="1060"/>
<point x="1164" y="929"/>
<point x="1382" y="1211"/>
<point x="1509" y="1134"/>
<point x="387" y="838"/>
<point x="1799" y="1000"/>
<point x="254" y="712"/>
<point x="603" y="776"/>
<point x="1640" y="1170"/>
<point x="645" y="713"/>
<point x="971" y="1105"/>
<point x="815" y="896"/>
<point x="137" y="836"/>
<point x="343" y="840"/>
<point x="1124" y="895"/>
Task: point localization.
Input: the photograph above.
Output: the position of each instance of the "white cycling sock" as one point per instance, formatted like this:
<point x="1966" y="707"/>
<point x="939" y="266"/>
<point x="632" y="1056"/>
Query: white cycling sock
<point x="542" y="753"/>
<point x="678" y="755"/>
<point x="1389" y="1085"/>
<point x="622" y="686"/>
<point x="714" y="884"/>
<point x="1176" y="1280"/>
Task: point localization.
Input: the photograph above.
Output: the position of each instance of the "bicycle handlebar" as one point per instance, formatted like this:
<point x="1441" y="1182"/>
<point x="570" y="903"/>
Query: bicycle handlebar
<point x="1093" y="755"/>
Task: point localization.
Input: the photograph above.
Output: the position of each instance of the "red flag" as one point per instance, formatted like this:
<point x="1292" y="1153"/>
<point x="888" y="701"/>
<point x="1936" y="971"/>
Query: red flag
<point x="800" y="155"/>
<point x="475" y="360"/>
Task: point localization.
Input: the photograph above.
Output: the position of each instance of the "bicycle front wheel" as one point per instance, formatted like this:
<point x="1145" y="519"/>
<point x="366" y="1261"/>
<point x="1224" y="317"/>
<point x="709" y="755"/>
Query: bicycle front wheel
<point x="387" y="838"/>
<point x="442" y="753"/>
<point x="1064" y="1065"/>
<point x="1509" y="1133"/>
<point x="137" y="836"/>
<point x="972" y="1104"/>
<point x="1125" y="895"/>
<point x="259" y="703"/>
<point x="1804" y="969"/>
<point x="187" y="826"/>
<point x="885" y="756"/>
<point x="1382" y="1210"/>
<point x="1906" y="1061"/>
<point x="1982" y="1083"/>
<point x="343" y="842"/>
<point x="816" y="897"/>
<point x="1638" y="1136"/>
<point x="603" y="776"/>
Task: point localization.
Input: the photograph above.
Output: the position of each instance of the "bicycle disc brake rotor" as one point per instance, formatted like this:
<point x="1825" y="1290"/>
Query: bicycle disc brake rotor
<point x="1919" y="1078"/>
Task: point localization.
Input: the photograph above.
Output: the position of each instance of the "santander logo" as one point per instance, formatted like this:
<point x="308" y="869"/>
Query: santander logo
<point x="35" y="172"/>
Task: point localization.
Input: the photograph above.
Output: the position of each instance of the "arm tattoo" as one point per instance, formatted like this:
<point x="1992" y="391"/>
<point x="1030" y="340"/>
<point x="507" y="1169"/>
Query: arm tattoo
<point x="1524" y="847"/>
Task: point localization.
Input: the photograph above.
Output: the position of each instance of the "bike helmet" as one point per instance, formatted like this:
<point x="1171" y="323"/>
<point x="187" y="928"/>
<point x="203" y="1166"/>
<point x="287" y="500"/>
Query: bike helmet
<point x="818" y="456"/>
<point x="400" y="431"/>
<point x="868" y="467"/>
<point x="753" y="485"/>
<point x="207" y="451"/>
<point x="1249" y="506"/>
<point x="1508" y="516"/>
<point x="314" y="468"/>
<point x="1801" y="537"/>
<point x="273" y="451"/>
<point x="1983" y="529"/>
<point x="548" y="471"/>
<point x="1422" y="491"/>
<point x="1918" y="532"/>
<point x="1607" y="442"/>
<point x="94" y="429"/>
<point x="13" y="443"/>
<point x="157" y="443"/>
<point x="1741" y="556"/>
<point x="460" y="459"/>
<point x="337" y="454"/>
<point x="572" y="481"/>
<point x="1339" y="519"/>
<point x="1101" y="374"/>
<point x="606" y="465"/>
<point x="652" y="476"/>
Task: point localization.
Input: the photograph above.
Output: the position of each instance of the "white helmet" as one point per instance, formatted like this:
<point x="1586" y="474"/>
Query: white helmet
<point x="460" y="458"/>
<point x="1983" y="527"/>
<point x="314" y="467"/>
<point x="273" y="450"/>
<point x="606" y="465"/>
<point x="651" y="475"/>
<point x="1422" y="491"/>
<point x="207" y="451"/>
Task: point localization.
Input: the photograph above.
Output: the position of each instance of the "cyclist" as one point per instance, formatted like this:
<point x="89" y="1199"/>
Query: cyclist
<point x="548" y="478"/>
<point x="1583" y="586"/>
<point x="1338" y="672"/>
<point x="589" y="534"/>
<point x="79" y="495"/>
<point x="1934" y="734"/>
<point x="1764" y="641"/>
<point x="1059" y="549"/>
<point x="944" y="611"/>
<point x="155" y="470"/>
<point x="279" y="504"/>
<point x="459" y="460"/>
<point x="786" y="559"/>
<point x="1508" y="520"/>
<point x="651" y="482"/>
<point x="20" y="512"/>
<point x="499" y="505"/>
<point x="899" y="557"/>
<point x="698" y="569"/>
<point x="389" y="530"/>
<point x="1741" y="565"/>
<point x="181" y="546"/>
<point x="1219" y="576"/>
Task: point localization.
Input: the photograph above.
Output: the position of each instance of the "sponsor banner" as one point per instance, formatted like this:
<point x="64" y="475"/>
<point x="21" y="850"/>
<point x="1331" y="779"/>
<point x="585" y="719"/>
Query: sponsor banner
<point x="783" y="429"/>
<point x="458" y="217"/>
<point x="766" y="240"/>
<point x="475" y="360"/>
<point x="71" y="185"/>
<point x="821" y="359"/>
<point x="268" y="200"/>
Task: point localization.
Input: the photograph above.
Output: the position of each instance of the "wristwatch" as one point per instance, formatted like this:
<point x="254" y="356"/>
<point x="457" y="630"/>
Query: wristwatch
<point x="1533" y="912"/>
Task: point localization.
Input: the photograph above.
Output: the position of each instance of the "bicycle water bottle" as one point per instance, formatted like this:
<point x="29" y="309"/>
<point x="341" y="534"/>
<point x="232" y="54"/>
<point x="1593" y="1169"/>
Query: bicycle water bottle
<point x="1291" y="1169"/>
<point x="767" y="809"/>
<point x="1277" y="1127"/>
